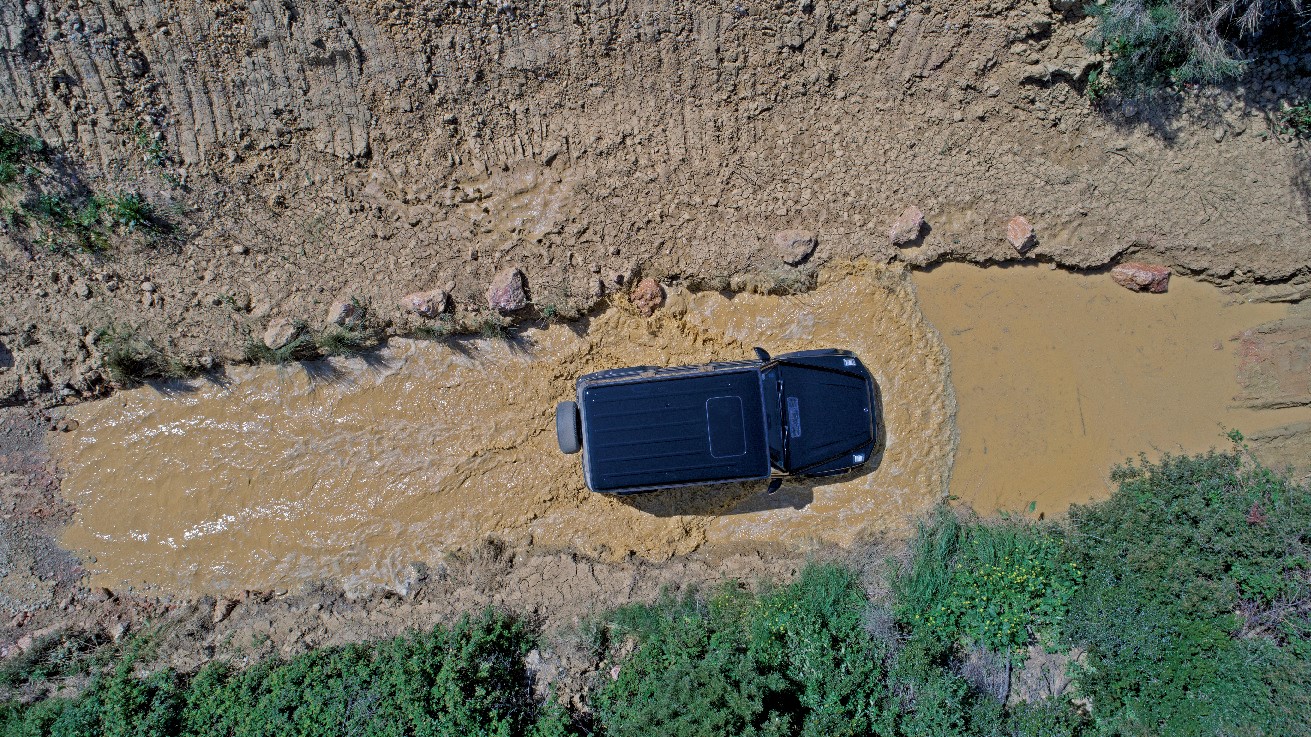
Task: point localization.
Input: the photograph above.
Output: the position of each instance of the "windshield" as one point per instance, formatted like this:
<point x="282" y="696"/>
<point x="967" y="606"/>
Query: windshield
<point x="772" y="386"/>
<point x="815" y="414"/>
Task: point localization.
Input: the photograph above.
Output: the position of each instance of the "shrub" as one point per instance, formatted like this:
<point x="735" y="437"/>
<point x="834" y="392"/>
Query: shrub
<point x="16" y="147"/>
<point x="1000" y="586"/>
<point x="131" y="359"/>
<point x="790" y="661"/>
<point x="1295" y="120"/>
<point x="127" y="211"/>
<point x="1151" y="43"/>
<point x="466" y="679"/>
<point x="1195" y="610"/>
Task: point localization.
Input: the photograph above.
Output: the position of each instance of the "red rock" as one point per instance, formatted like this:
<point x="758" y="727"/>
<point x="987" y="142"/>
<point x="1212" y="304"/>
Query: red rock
<point x="794" y="246"/>
<point x="647" y="296"/>
<point x="1020" y="234"/>
<point x="907" y="228"/>
<point x="1142" y="277"/>
<point x="341" y="312"/>
<point x="426" y="304"/>
<point x="508" y="292"/>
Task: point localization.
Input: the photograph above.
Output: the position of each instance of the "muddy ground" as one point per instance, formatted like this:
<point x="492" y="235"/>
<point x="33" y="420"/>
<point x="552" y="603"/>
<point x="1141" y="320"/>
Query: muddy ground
<point x="299" y="153"/>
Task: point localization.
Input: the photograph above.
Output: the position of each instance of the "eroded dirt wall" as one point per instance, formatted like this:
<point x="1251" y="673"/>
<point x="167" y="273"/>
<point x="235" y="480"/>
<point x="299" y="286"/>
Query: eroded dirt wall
<point x="316" y="150"/>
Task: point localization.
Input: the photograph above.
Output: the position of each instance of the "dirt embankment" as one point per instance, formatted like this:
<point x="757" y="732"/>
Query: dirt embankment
<point x="310" y="151"/>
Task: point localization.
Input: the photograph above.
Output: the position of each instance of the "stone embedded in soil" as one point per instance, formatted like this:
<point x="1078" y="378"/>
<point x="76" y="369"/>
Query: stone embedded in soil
<point x="341" y="312"/>
<point x="1019" y="233"/>
<point x="426" y="304"/>
<point x="223" y="607"/>
<point x="280" y="332"/>
<point x="794" y="246"/>
<point x="507" y="292"/>
<point x="647" y="296"/>
<point x="907" y="228"/>
<point x="1142" y="277"/>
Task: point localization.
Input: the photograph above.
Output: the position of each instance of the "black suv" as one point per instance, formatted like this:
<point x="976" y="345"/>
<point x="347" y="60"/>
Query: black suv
<point x="804" y="414"/>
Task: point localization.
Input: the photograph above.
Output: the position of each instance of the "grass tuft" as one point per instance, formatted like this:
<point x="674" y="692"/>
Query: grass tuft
<point x="131" y="359"/>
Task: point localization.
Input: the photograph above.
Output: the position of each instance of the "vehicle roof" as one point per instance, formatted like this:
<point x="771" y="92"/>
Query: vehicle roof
<point x="672" y="430"/>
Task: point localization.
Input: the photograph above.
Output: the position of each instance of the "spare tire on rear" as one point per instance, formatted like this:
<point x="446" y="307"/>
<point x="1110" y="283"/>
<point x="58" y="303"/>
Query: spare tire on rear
<point x="566" y="427"/>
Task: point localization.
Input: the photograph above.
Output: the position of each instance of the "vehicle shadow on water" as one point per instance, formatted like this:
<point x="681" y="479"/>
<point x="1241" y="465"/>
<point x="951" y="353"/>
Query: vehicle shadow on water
<point x="731" y="499"/>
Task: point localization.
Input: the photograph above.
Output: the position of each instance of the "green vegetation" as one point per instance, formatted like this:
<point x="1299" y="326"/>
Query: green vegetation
<point x="1295" y="120"/>
<point x="64" y="218"/>
<point x="357" y="336"/>
<point x="1180" y="606"/>
<point x="791" y="661"/>
<point x="999" y="586"/>
<point x="128" y="211"/>
<point x="1155" y="43"/>
<point x="16" y="149"/>
<point x="152" y="148"/>
<point x="131" y="359"/>
<point x="468" y="679"/>
<point x="1196" y="607"/>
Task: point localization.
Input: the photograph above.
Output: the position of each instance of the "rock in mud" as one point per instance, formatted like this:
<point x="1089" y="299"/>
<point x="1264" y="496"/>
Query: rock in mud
<point x="1142" y="277"/>
<point x="223" y="607"/>
<point x="341" y="312"/>
<point x="907" y="228"/>
<point x="426" y="304"/>
<point x="794" y="246"/>
<point x="647" y="296"/>
<point x="280" y="332"/>
<point x="1019" y="232"/>
<point x="507" y="292"/>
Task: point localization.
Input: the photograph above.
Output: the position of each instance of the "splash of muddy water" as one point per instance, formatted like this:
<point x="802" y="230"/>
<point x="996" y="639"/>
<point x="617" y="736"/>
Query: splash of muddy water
<point x="276" y="479"/>
<point x="1060" y="376"/>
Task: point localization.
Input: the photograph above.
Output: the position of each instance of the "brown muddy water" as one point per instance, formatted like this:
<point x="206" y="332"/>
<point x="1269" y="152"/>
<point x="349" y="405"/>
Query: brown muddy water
<point x="357" y="468"/>
<point x="350" y="470"/>
<point x="1060" y="376"/>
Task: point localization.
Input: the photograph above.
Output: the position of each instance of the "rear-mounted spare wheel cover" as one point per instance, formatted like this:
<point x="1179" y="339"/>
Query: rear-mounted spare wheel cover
<point x="566" y="427"/>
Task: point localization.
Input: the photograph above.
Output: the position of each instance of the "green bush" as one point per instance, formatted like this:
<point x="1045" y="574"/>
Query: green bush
<point x="1153" y="43"/>
<point x="790" y="661"/>
<point x="468" y="679"/>
<point x="1196" y="608"/>
<point x="1000" y="586"/>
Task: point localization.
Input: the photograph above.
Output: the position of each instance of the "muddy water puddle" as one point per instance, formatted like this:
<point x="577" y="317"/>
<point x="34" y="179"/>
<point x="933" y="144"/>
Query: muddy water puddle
<point x="354" y="469"/>
<point x="1060" y="375"/>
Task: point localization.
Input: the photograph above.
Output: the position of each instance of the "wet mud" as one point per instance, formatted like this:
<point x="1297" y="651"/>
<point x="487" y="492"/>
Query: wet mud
<point x="352" y="470"/>
<point x="1061" y="375"/>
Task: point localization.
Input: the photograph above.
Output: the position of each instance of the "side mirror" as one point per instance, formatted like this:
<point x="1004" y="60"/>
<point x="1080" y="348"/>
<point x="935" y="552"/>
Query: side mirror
<point x="762" y="354"/>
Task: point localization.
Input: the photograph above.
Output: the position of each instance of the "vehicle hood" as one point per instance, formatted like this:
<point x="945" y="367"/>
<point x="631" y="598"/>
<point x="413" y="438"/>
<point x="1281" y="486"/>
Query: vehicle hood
<point x="825" y="414"/>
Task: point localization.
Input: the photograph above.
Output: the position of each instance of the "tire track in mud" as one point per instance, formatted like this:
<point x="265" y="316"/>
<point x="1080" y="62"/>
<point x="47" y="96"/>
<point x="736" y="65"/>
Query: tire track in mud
<point x="352" y="470"/>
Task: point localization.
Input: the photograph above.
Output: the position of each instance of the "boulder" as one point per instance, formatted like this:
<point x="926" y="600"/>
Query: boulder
<point x="426" y="304"/>
<point x="341" y="312"/>
<point x="794" y="246"/>
<point x="281" y="331"/>
<point x="1142" y="277"/>
<point x="508" y="292"/>
<point x="907" y="228"/>
<point x="647" y="296"/>
<point x="1019" y="232"/>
